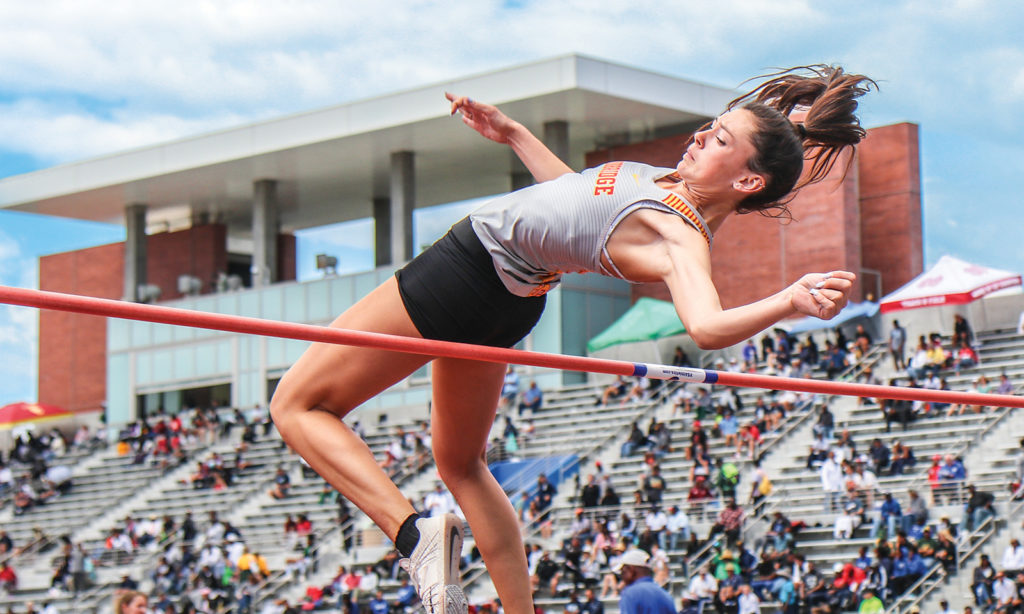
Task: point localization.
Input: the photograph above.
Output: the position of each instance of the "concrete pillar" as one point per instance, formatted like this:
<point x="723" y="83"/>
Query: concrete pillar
<point x="403" y="199"/>
<point x="264" y="232"/>
<point x="556" y="137"/>
<point x="134" y="250"/>
<point x="382" y="230"/>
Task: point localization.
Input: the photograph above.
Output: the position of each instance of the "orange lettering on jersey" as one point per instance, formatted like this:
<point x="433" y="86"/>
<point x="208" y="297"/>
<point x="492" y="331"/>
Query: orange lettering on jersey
<point x="605" y="183"/>
<point x="680" y="205"/>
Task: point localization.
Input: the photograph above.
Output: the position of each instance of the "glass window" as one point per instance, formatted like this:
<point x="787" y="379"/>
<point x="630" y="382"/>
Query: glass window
<point x="295" y="302"/>
<point x="318" y="305"/>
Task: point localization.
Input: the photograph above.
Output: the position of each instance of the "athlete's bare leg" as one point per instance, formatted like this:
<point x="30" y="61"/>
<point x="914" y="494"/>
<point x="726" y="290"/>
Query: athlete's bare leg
<point x="465" y="401"/>
<point x="329" y="381"/>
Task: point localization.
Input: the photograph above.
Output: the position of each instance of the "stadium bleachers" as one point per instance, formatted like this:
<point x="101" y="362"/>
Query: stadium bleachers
<point x="107" y="488"/>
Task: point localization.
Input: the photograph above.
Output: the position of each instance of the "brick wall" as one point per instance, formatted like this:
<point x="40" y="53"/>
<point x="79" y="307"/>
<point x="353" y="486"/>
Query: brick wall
<point x="871" y="219"/>
<point x="890" y="200"/>
<point x="73" y="348"/>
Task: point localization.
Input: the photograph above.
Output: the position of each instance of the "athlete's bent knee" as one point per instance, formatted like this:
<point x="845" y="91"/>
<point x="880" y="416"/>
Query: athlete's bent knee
<point x="456" y="471"/>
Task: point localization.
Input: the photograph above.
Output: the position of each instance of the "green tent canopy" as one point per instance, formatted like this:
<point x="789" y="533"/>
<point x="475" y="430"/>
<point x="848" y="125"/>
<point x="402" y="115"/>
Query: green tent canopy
<point x="646" y="320"/>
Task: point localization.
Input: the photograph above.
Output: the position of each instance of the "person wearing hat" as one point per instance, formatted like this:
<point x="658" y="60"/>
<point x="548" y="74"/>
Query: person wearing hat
<point x="640" y="595"/>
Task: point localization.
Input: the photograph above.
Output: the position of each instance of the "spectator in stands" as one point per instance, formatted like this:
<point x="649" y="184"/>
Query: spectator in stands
<point x="962" y="332"/>
<point x="902" y="459"/>
<point x="965" y="357"/>
<point x="1004" y="593"/>
<point x="919" y="360"/>
<point x="879" y="456"/>
<point x="677" y="527"/>
<point x="871" y="604"/>
<point x="726" y="478"/>
<point x="897" y="345"/>
<point x="945" y="551"/>
<point x="654" y="485"/>
<point x="698" y="494"/>
<point x="889" y="515"/>
<point x="916" y="512"/>
<point x="636" y="441"/>
<point x="825" y="424"/>
<point x="831" y="482"/>
<point x="8" y="578"/>
<point x="983" y="577"/>
<point x="730" y="522"/>
<point x="749" y="439"/>
<point x="546" y="492"/>
<point x="818" y="451"/>
<point x="1013" y="558"/>
<point x="980" y="506"/>
<point x="851" y="516"/>
<point x="610" y="498"/>
<point x="748" y="602"/>
<point x="951" y="475"/>
<point x="535" y="518"/>
<point x="532" y="399"/>
<point x="835" y="361"/>
<point x="439" y="501"/>
<point x="614" y="390"/>
<point x="282" y="483"/>
<point x="897" y="410"/>
<point x="510" y="388"/>
<point x="702" y="590"/>
<point x="655" y="521"/>
<point x="590" y="494"/>
<point x="405" y="597"/>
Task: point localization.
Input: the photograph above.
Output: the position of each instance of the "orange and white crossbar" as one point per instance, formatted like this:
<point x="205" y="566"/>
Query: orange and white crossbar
<point x="322" y="334"/>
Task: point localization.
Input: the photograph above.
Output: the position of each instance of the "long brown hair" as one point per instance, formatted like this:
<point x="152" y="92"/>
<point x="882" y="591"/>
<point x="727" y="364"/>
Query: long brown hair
<point x="123" y="598"/>
<point x="829" y="96"/>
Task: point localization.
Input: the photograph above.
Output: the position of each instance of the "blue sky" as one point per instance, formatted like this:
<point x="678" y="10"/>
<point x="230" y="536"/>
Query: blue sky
<point x="84" y="78"/>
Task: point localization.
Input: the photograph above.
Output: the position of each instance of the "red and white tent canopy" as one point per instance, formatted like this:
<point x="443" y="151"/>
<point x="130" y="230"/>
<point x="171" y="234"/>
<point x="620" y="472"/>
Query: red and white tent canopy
<point x="950" y="282"/>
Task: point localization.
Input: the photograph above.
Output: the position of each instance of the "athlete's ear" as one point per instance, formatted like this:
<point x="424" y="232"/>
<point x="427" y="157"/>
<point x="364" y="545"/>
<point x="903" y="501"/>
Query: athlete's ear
<point x="749" y="183"/>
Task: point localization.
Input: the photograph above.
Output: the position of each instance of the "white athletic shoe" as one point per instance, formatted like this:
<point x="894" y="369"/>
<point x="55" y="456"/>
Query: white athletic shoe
<point x="434" y="565"/>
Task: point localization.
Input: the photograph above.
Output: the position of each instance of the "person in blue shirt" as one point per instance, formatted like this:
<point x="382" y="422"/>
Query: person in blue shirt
<point x="785" y="592"/>
<point x="641" y="595"/>
<point x="889" y="514"/>
<point x="406" y="597"/>
<point x="750" y="354"/>
<point x="531" y="399"/>
<point x="379" y="605"/>
<point x="591" y="605"/>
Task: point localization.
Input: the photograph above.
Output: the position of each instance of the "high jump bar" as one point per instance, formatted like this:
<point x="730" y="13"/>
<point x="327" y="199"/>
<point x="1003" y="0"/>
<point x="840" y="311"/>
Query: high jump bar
<point x="58" y="301"/>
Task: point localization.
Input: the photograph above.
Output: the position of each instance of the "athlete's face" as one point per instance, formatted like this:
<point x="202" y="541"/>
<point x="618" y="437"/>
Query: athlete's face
<point x="716" y="160"/>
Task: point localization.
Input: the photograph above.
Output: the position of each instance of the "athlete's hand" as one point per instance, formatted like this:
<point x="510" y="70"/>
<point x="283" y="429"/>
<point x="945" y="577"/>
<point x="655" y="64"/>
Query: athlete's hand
<point x="822" y="295"/>
<point x="484" y="118"/>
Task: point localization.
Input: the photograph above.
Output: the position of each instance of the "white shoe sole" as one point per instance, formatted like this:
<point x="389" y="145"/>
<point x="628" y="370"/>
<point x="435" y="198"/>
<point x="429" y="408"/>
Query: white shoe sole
<point x="454" y="600"/>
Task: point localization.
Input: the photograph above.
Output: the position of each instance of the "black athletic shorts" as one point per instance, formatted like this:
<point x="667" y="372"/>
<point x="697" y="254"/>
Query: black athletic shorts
<point x="452" y="293"/>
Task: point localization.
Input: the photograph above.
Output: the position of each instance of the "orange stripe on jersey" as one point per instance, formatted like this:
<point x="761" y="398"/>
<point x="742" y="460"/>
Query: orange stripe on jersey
<point x="680" y="205"/>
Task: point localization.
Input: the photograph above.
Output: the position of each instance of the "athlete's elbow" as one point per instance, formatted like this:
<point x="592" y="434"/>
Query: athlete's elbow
<point x="707" y="339"/>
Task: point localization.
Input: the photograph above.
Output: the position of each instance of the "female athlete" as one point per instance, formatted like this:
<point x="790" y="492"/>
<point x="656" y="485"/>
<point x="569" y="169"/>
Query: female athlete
<point x="484" y="283"/>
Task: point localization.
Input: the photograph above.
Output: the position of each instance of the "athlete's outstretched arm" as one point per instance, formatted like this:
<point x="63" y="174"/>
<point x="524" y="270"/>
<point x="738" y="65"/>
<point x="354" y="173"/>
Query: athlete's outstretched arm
<point x="493" y="124"/>
<point x="688" y="276"/>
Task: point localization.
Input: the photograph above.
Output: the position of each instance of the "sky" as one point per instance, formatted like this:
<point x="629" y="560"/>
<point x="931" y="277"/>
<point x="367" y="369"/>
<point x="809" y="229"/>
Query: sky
<point x="81" y="78"/>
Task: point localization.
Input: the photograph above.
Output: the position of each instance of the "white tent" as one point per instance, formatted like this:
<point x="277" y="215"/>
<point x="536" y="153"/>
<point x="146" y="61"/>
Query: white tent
<point x="928" y="303"/>
<point x="950" y="282"/>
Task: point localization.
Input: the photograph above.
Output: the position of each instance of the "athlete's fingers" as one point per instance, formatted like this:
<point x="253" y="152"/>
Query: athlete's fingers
<point x="826" y="306"/>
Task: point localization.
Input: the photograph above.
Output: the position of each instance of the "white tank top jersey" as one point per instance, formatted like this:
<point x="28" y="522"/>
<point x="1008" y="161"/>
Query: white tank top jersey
<point x="562" y="226"/>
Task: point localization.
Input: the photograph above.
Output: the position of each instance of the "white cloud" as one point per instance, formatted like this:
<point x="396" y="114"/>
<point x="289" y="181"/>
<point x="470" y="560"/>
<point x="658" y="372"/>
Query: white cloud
<point x="55" y="134"/>
<point x="18" y="326"/>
